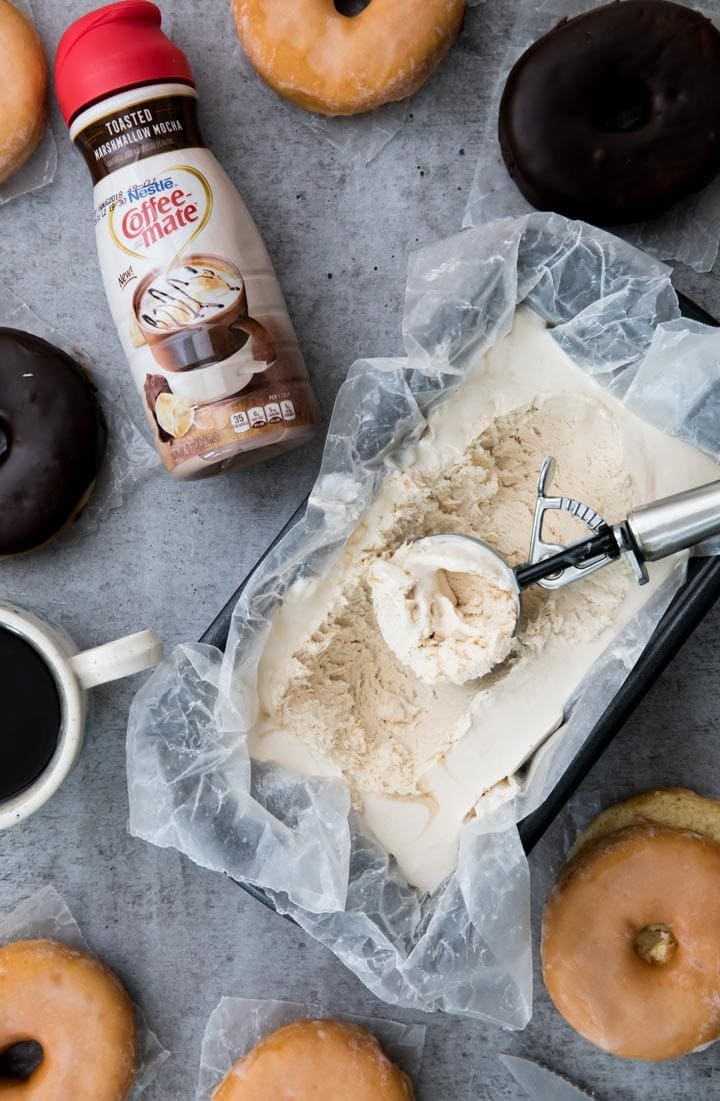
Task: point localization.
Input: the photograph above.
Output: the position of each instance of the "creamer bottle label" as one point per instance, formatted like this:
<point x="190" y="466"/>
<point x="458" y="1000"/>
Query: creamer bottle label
<point x="191" y="288"/>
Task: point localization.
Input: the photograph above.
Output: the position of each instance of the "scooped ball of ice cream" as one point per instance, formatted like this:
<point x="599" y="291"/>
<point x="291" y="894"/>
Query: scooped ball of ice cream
<point x="446" y="607"/>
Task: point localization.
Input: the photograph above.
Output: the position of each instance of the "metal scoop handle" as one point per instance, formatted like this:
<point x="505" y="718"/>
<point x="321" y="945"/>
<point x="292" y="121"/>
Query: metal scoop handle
<point x="652" y="532"/>
<point x="603" y="545"/>
<point x="675" y="523"/>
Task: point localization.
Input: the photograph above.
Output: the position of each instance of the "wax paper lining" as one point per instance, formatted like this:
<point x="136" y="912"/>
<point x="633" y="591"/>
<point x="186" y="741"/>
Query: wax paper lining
<point x="128" y="458"/>
<point x="466" y="947"/>
<point x="689" y="231"/>
<point x="357" y="139"/>
<point x="236" y="1025"/>
<point x="46" y="916"/>
<point x="39" y="169"/>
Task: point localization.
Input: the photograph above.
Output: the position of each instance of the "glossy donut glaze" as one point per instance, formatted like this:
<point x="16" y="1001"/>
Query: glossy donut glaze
<point x="316" y="1061"/>
<point x="74" y="1011"/>
<point x="615" y="115"/>
<point x="631" y="942"/>
<point x="349" y="57"/>
<point x="52" y="440"/>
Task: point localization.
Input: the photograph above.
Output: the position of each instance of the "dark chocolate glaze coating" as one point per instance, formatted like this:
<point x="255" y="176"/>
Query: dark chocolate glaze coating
<point x="615" y="115"/>
<point x="52" y="440"/>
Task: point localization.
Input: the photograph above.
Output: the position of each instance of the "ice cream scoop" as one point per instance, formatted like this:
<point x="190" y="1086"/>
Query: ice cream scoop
<point x="649" y="533"/>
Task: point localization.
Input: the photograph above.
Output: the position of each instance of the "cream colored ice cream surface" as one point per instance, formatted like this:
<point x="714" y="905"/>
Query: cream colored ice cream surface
<point x="446" y="606"/>
<point x="335" y="700"/>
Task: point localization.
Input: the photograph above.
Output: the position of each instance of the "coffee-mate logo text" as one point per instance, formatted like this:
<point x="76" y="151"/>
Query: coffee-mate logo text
<point x="159" y="217"/>
<point x="169" y="210"/>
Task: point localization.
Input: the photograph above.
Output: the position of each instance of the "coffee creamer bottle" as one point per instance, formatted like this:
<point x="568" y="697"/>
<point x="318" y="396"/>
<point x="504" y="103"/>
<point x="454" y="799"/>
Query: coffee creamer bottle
<point x="191" y="287"/>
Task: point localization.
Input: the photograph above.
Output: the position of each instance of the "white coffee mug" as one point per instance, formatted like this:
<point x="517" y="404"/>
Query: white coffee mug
<point x="74" y="673"/>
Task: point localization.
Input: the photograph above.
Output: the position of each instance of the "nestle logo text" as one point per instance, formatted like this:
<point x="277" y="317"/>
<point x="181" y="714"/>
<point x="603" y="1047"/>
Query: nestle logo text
<point x="150" y="187"/>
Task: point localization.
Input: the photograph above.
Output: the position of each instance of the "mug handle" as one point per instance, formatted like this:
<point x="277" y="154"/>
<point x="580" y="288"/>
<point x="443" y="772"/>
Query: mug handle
<point x="263" y="347"/>
<point x="117" y="659"/>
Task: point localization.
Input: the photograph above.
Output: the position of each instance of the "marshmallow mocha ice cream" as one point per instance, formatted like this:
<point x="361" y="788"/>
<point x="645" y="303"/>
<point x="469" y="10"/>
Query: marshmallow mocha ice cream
<point x="419" y="745"/>
<point x="446" y="607"/>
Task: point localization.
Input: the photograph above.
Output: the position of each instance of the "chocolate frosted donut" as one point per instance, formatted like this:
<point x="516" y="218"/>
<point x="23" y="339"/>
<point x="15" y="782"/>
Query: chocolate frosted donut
<point x="615" y="115"/>
<point x="52" y="441"/>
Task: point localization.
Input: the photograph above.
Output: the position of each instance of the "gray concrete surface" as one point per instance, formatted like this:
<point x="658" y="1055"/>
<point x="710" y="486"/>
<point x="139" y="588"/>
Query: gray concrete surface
<point x="169" y="557"/>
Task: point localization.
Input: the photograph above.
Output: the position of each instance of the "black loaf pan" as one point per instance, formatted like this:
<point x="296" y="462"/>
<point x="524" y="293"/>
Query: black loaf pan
<point x="689" y="607"/>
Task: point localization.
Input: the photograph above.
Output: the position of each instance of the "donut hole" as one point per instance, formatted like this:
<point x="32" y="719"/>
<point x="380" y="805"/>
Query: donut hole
<point x="621" y="105"/>
<point x="655" y="944"/>
<point x="19" y="1061"/>
<point x="351" y="8"/>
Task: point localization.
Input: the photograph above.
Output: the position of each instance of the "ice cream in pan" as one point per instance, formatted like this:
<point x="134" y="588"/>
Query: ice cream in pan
<point x="419" y="743"/>
<point x="449" y="606"/>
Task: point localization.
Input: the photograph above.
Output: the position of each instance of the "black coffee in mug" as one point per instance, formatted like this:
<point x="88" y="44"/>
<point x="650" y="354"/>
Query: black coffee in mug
<point x="30" y="714"/>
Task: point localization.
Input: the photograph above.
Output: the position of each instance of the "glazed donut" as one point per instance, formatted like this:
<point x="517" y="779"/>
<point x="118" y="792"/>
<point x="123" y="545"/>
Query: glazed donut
<point x="631" y="941"/>
<point x="615" y="115"/>
<point x="316" y="1061"/>
<point x="23" y="91"/>
<point x="678" y="807"/>
<point x="336" y="64"/>
<point x="76" y="1010"/>
<point x="52" y="441"/>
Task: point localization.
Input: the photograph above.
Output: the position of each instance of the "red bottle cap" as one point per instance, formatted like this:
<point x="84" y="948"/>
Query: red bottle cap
<point x="116" y="47"/>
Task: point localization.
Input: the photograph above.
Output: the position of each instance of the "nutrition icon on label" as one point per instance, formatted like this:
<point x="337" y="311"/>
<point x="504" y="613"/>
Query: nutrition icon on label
<point x="273" y="413"/>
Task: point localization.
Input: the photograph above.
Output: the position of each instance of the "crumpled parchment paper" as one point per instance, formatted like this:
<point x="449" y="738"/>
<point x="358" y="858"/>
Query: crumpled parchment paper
<point x="465" y="948"/>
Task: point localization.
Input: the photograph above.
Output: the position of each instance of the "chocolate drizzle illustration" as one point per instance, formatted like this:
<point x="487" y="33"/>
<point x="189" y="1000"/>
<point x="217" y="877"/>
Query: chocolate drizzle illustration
<point x="173" y="301"/>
